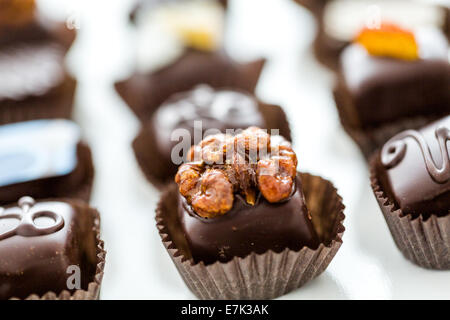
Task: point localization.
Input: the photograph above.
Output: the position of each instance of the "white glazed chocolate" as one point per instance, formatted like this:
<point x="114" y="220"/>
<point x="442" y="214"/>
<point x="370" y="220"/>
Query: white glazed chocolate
<point x="176" y="25"/>
<point x="344" y="18"/>
<point x="37" y="149"/>
<point x="29" y="69"/>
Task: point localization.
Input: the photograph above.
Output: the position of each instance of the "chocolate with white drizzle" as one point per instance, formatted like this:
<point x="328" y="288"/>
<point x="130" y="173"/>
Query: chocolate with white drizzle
<point x="415" y="169"/>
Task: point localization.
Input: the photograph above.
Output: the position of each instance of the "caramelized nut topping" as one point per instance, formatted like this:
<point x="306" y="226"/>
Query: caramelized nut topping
<point x="246" y="163"/>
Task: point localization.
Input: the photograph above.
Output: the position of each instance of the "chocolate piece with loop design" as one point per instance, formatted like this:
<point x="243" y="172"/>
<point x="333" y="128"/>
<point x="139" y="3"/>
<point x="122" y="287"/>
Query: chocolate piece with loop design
<point x="395" y="149"/>
<point x="27" y="226"/>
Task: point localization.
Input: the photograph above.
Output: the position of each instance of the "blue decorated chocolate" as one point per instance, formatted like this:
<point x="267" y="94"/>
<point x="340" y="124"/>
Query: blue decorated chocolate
<point x="43" y="158"/>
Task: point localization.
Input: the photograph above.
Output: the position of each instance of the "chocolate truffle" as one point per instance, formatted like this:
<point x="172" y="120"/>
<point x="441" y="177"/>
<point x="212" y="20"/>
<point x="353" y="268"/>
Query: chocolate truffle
<point x="164" y="141"/>
<point x="41" y="244"/>
<point x="414" y="170"/>
<point x="22" y="21"/>
<point x="340" y="20"/>
<point x="248" y="228"/>
<point x="44" y="159"/>
<point x="240" y="194"/>
<point x="392" y="79"/>
<point x="35" y="83"/>
<point x="144" y="93"/>
<point x="373" y="90"/>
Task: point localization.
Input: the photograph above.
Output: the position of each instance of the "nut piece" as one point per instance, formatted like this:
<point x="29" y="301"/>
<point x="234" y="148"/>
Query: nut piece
<point x="16" y="12"/>
<point x="276" y="178"/>
<point x="211" y="150"/>
<point x="247" y="163"/>
<point x="214" y="196"/>
<point x="208" y="191"/>
<point x="187" y="178"/>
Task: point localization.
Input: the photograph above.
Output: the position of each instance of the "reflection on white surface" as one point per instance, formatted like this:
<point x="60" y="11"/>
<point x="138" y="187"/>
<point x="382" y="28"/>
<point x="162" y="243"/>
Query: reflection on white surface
<point x="368" y="264"/>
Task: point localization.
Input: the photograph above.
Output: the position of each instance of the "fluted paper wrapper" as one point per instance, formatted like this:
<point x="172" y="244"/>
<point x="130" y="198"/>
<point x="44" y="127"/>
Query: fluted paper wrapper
<point x="258" y="276"/>
<point x="371" y="140"/>
<point x="424" y="242"/>
<point x="93" y="291"/>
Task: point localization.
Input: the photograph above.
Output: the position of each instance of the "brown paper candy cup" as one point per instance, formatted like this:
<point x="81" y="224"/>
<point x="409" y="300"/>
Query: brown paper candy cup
<point x="426" y="242"/>
<point x="93" y="291"/>
<point x="257" y="276"/>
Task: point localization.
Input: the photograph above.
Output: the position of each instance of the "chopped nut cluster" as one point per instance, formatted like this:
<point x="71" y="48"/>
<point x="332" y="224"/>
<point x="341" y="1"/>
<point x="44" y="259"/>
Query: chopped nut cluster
<point x="16" y="12"/>
<point x="247" y="163"/>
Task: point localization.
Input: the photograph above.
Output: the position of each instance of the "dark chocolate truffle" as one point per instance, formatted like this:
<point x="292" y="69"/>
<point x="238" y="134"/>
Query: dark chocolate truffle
<point x="372" y="90"/>
<point x="212" y="110"/>
<point x="145" y="92"/>
<point x="340" y="20"/>
<point x="414" y="170"/>
<point x="35" y="83"/>
<point x="240" y="194"/>
<point x="44" y="159"/>
<point x="217" y="110"/>
<point x="248" y="228"/>
<point x="43" y="244"/>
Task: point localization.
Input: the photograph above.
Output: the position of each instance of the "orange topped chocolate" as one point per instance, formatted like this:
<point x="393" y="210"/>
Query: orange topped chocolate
<point x="16" y="12"/>
<point x="389" y="40"/>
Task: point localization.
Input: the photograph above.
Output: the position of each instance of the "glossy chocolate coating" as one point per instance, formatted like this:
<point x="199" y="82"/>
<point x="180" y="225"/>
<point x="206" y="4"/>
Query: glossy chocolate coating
<point x="245" y="229"/>
<point x="416" y="179"/>
<point x="35" y="257"/>
<point x="44" y="159"/>
<point x="145" y="92"/>
<point x="218" y="110"/>
<point x="372" y="91"/>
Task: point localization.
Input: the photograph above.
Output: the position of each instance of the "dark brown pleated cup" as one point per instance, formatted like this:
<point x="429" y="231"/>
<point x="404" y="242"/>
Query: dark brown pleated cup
<point x="258" y="276"/>
<point x="426" y="242"/>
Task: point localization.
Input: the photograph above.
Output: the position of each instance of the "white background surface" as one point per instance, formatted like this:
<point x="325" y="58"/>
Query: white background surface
<point x="368" y="265"/>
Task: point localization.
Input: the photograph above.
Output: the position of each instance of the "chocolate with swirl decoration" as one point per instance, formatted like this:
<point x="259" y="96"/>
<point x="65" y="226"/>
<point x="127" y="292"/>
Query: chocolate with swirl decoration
<point x="395" y="149"/>
<point x="414" y="170"/>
